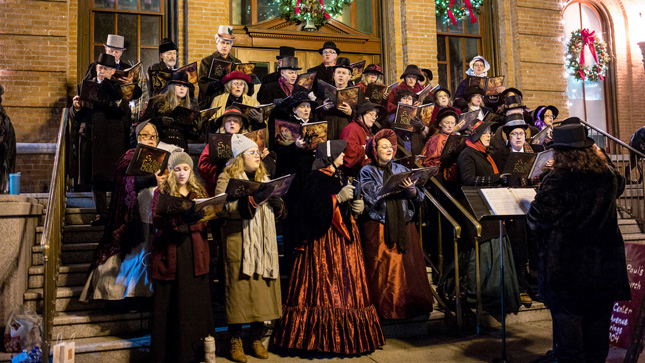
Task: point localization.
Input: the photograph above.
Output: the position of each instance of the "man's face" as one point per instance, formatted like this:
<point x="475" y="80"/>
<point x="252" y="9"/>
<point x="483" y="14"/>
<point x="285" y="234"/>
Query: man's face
<point x="169" y="58"/>
<point x="224" y="47"/>
<point x="103" y="72"/>
<point x="517" y="138"/>
<point x="289" y="75"/>
<point x="329" y="56"/>
<point x="341" y="76"/>
<point x="114" y="52"/>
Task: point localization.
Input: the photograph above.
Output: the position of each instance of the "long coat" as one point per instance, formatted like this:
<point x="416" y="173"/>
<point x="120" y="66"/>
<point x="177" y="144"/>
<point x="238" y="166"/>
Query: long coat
<point x="581" y="249"/>
<point x="271" y="91"/>
<point x="207" y="88"/>
<point x="357" y="134"/>
<point x="172" y="133"/>
<point x="161" y="66"/>
<point x="336" y="119"/>
<point x="322" y="73"/>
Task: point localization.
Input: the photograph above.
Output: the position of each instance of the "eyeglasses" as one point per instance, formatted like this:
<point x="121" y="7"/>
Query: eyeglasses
<point x="329" y="52"/>
<point x="148" y="137"/>
<point x="549" y="116"/>
<point x="517" y="134"/>
<point x="238" y="84"/>
<point x="255" y="153"/>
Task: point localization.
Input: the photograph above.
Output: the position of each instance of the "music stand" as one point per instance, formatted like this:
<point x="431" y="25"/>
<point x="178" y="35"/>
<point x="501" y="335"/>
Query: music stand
<point x="482" y="210"/>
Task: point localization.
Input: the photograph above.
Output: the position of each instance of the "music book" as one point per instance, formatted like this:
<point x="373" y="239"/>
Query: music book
<point x="286" y="133"/>
<point x="519" y="164"/>
<point x="238" y="188"/>
<point x="169" y="205"/>
<point x="306" y="80"/>
<point x="265" y="109"/>
<point x="210" y="206"/>
<point x="91" y="92"/>
<point x="421" y="95"/>
<point x="411" y="161"/>
<point x="188" y="116"/>
<point x="133" y="72"/>
<point x="374" y="92"/>
<point x="357" y="70"/>
<point x="219" y="68"/>
<point x="488" y="84"/>
<point x="191" y="70"/>
<point x="314" y="133"/>
<point x="425" y="113"/>
<point x="422" y="175"/>
<point x="508" y="201"/>
<point x="404" y="116"/>
<point x="540" y="137"/>
<point x="147" y="160"/>
<point x="128" y="91"/>
<point x="259" y="137"/>
<point x="219" y="147"/>
<point x="159" y="78"/>
<point x="540" y="162"/>
<point x="349" y="94"/>
<point x="470" y="118"/>
<point x="391" y="87"/>
<point x="455" y="144"/>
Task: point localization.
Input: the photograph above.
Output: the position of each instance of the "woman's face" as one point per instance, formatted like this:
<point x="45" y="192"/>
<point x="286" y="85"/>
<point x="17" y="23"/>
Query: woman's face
<point x="485" y="138"/>
<point x="384" y="151"/>
<point x="232" y="124"/>
<point x="369" y="117"/>
<point x="371" y="77"/>
<point x="339" y="160"/>
<point x="411" y="80"/>
<point x="341" y="76"/>
<point x="548" y="118"/>
<point x="303" y="110"/>
<point x="237" y="87"/>
<point x="476" y="100"/>
<point x="407" y="100"/>
<point x="252" y="159"/>
<point x="478" y="68"/>
<point x="148" y="136"/>
<point x="517" y="138"/>
<point x="442" y="99"/>
<point x="289" y="75"/>
<point x="447" y="125"/>
<point x="181" y="90"/>
<point x="224" y="47"/>
<point x="182" y="174"/>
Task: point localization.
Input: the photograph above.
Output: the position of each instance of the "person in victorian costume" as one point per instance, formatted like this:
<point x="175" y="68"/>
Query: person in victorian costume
<point x="411" y="77"/>
<point x="357" y="133"/>
<point x="325" y="70"/>
<point x="285" y="86"/>
<point x="114" y="46"/>
<point x="373" y="74"/>
<point x="236" y="86"/>
<point x="328" y="306"/>
<point x="274" y="76"/>
<point x="168" y="63"/>
<point x="394" y="263"/>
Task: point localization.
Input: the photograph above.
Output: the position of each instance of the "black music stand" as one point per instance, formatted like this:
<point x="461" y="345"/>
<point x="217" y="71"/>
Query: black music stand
<point x="482" y="211"/>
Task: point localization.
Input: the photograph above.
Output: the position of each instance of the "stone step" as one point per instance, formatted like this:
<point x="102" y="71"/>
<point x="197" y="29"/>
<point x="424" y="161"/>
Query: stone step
<point x="634" y="237"/>
<point x="95" y="323"/>
<point x="70" y="253"/>
<point x="76" y="233"/>
<point x="629" y="228"/>
<point x="75" y="215"/>
<point x="69" y="275"/>
<point x="66" y="300"/>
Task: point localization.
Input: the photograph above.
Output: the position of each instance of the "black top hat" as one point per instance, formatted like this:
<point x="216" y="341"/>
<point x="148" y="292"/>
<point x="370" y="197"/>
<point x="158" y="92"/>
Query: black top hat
<point x="514" y="90"/>
<point x="329" y="45"/>
<point x="473" y="90"/>
<point x="428" y="73"/>
<point x="571" y="136"/>
<point x="167" y="44"/>
<point x="413" y="70"/>
<point x="289" y="62"/>
<point x="445" y="112"/>
<point x="367" y="106"/>
<point x="442" y="90"/>
<point x="512" y="123"/>
<point x="342" y="62"/>
<point x="286" y="52"/>
<point x="106" y="60"/>
<point x="570" y="121"/>
<point x="512" y="102"/>
<point x="480" y="129"/>
<point x="181" y="78"/>
<point x="298" y="98"/>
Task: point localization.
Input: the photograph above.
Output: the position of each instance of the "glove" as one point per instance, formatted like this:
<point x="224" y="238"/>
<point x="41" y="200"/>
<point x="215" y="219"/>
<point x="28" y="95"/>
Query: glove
<point x="345" y="194"/>
<point x="261" y="194"/>
<point x="256" y="116"/>
<point x="357" y="206"/>
<point x="410" y="191"/>
<point x="417" y="124"/>
<point x="167" y="121"/>
<point x="277" y="101"/>
<point x="312" y="96"/>
<point x="190" y="216"/>
<point x="276" y="203"/>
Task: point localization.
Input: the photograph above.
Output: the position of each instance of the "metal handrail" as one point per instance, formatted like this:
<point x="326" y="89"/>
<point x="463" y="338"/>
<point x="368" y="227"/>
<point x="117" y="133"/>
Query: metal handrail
<point x="612" y="138"/>
<point x="50" y="241"/>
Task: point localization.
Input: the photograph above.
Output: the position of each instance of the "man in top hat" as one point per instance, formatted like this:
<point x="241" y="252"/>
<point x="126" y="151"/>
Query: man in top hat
<point x="325" y="70"/>
<point x="168" y="62"/>
<point x="274" y="76"/>
<point x="114" y="46"/>
<point x="209" y="88"/>
<point x="101" y="130"/>
<point x="285" y="86"/>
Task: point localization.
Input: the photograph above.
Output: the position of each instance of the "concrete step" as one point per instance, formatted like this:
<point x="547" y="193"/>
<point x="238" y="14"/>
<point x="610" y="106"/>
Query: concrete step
<point x="628" y="226"/>
<point x="69" y="275"/>
<point x="95" y="323"/>
<point x="76" y="233"/>
<point x="66" y="300"/>
<point x="70" y="253"/>
<point x="75" y="215"/>
<point x="634" y="237"/>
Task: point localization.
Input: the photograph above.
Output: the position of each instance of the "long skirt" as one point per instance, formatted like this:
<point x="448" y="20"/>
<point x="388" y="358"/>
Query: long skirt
<point x="398" y="282"/>
<point x="183" y="315"/>
<point x="328" y="308"/>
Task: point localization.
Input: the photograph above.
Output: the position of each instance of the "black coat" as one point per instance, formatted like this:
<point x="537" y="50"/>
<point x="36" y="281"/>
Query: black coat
<point x="161" y="66"/>
<point x="272" y="91"/>
<point x="271" y="77"/>
<point x="336" y="119"/>
<point x="581" y="249"/>
<point x="208" y="88"/>
<point x="322" y="72"/>
<point x="90" y="73"/>
<point x="170" y="132"/>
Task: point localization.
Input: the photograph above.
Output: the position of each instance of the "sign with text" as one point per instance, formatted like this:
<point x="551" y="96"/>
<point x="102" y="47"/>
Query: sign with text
<point x="625" y="313"/>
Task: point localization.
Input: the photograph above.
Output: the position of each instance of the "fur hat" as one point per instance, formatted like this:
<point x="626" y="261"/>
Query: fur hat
<point x="166" y="45"/>
<point x="179" y="157"/>
<point x="241" y="143"/>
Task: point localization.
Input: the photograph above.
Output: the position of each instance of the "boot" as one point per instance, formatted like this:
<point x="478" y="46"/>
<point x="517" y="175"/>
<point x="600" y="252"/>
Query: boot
<point x="259" y="351"/>
<point x="237" y="351"/>
<point x="526" y="300"/>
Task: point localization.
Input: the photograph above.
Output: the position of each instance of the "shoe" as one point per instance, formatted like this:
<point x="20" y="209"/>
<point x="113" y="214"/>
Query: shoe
<point x="98" y="221"/>
<point x="526" y="300"/>
<point x="259" y="351"/>
<point x="237" y="351"/>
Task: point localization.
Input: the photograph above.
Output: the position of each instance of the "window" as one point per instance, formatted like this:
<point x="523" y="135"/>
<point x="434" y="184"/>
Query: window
<point x="586" y="98"/>
<point x="138" y="21"/>
<point x="456" y="45"/>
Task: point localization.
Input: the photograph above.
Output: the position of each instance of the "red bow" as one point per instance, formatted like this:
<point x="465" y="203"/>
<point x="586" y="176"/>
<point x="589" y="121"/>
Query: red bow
<point x="588" y="38"/>
<point x="322" y="6"/>
<point x="469" y="6"/>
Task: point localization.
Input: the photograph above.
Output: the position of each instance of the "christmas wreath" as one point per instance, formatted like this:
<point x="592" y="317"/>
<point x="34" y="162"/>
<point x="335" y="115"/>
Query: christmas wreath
<point x="576" y="55"/>
<point x="298" y="11"/>
<point x="448" y="10"/>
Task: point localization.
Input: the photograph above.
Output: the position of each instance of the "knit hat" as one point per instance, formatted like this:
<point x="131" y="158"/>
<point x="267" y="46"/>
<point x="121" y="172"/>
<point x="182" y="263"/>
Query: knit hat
<point x="179" y="157"/>
<point x="241" y="143"/>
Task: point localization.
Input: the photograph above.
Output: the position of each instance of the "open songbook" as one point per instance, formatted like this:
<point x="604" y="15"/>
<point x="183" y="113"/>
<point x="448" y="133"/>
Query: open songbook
<point x="133" y="72"/>
<point x="238" y="188"/>
<point x="219" y="145"/>
<point x="392" y="184"/>
<point x="313" y="133"/>
<point x="210" y="206"/>
<point x="357" y="70"/>
<point x="187" y="116"/>
<point x="338" y="96"/>
<point x="406" y="113"/>
<point x="508" y="201"/>
<point x="147" y="160"/>
<point x="527" y="165"/>
<point x="306" y="80"/>
<point x="488" y="84"/>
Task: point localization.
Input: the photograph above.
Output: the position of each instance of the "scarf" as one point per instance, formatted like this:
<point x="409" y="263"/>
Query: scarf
<point x="259" y="243"/>
<point x="395" y="217"/>
<point x="287" y="87"/>
<point x="481" y="148"/>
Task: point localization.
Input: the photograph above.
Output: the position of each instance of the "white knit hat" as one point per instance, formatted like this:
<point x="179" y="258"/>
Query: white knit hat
<point x="179" y="157"/>
<point x="241" y="143"/>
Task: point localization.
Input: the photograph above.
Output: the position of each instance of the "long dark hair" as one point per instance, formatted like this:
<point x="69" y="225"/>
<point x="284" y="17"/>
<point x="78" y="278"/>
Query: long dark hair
<point x="585" y="161"/>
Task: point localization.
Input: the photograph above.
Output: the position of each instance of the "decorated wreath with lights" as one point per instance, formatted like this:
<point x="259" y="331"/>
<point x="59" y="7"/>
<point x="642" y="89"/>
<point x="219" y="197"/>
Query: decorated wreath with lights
<point x="298" y="11"/>
<point x="449" y="10"/>
<point x="575" y="56"/>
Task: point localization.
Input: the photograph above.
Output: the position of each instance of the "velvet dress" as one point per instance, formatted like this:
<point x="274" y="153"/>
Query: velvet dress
<point x="328" y="306"/>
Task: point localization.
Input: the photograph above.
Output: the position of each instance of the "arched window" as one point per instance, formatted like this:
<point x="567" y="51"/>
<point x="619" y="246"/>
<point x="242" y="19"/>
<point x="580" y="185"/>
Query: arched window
<point x="586" y="98"/>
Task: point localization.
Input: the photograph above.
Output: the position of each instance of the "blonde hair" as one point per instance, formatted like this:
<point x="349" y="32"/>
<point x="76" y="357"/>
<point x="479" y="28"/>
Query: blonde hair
<point x="379" y="78"/>
<point x="235" y="168"/>
<point x="228" y="87"/>
<point x="171" y="187"/>
<point x="169" y="100"/>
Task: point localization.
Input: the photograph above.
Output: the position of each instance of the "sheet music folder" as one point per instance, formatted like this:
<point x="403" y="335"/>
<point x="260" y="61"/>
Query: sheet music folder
<point x="481" y="208"/>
